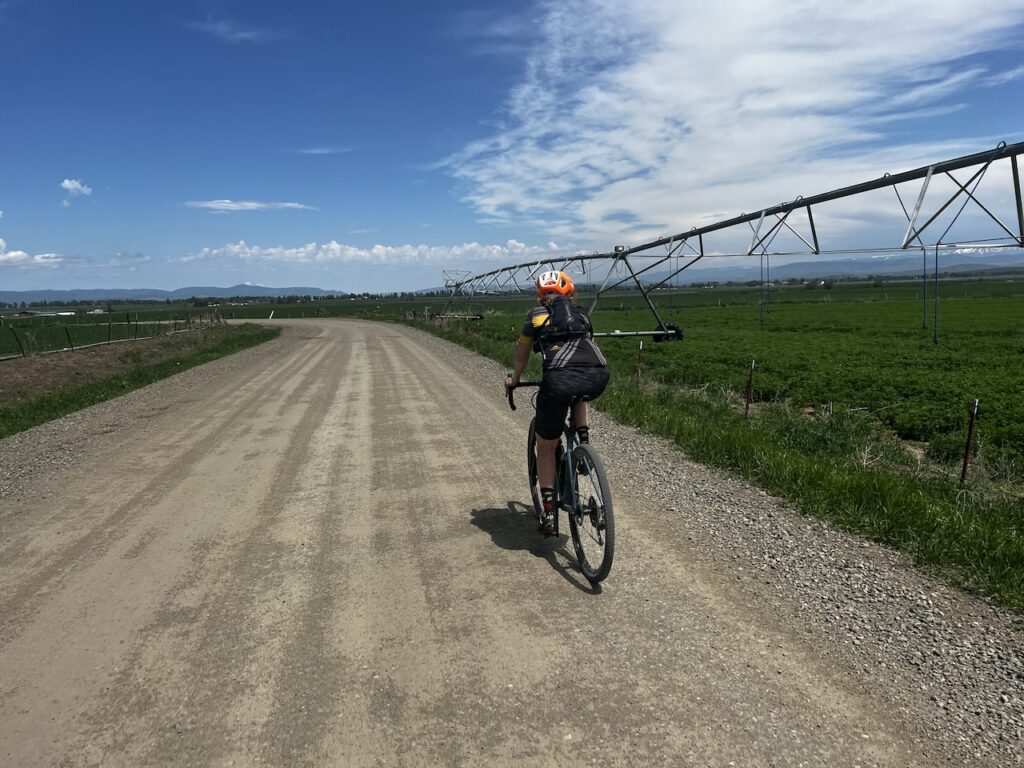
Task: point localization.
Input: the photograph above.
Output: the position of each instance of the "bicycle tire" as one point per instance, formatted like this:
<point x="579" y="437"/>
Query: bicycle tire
<point x="531" y="469"/>
<point x="592" y="521"/>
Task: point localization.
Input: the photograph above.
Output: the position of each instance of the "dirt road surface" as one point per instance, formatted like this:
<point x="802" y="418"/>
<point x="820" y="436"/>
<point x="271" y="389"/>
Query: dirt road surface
<point x="318" y="553"/>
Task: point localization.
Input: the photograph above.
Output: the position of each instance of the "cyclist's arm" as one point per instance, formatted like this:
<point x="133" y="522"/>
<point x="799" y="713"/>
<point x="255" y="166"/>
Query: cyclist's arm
<point x="523" y="348"/>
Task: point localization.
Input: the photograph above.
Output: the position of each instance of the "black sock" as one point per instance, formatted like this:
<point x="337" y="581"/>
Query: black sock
<point x="583" y="434"/>
<point x="547" y="496"/>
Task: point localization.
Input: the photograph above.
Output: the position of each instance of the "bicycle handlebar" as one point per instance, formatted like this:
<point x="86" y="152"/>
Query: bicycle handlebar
<point x="511" y="404"/>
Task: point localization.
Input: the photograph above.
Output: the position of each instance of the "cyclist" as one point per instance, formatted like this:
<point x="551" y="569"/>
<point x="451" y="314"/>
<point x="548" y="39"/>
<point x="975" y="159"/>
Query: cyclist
<point x="573" y="367"/>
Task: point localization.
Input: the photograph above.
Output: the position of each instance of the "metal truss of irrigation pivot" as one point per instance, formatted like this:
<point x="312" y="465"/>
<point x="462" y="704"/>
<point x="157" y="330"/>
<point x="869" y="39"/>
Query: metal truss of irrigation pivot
<point x="796" y="217"/>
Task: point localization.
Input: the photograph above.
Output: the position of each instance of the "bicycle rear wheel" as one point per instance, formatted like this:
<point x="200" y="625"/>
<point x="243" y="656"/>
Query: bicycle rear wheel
<point x="592" y="522"/>
<point x="531" y="468"/>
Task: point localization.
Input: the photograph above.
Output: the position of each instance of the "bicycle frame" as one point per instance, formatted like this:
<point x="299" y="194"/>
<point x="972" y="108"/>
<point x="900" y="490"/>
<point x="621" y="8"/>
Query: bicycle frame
<point x="568" y="475"/>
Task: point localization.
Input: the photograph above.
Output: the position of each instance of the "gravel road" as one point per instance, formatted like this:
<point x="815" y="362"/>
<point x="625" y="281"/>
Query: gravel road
<point x="317" y="552"/>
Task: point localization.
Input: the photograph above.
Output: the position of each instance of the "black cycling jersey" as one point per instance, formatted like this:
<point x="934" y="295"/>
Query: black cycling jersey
<point x="562" y="333"/>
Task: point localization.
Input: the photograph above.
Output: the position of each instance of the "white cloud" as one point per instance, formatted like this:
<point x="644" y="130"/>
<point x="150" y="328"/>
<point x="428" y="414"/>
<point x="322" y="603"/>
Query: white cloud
<point x="233" y="32"/>
<point x="228" y="206"/>
<point x="76" y="187"/>
<point x="10" y="257"/>
<point x="325" y="150"/>
<point x="636" y="118"/>
<point x="333" y="251"/>
<point x="21" y="258"/>
<point x="1001" y="78"/>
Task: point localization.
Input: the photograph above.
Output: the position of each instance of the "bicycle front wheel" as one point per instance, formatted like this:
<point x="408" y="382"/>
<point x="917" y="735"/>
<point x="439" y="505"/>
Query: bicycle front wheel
<point x="592" y="521"/>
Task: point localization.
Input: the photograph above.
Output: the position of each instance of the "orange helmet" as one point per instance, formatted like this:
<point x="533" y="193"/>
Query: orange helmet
<point x="555" y="282"/>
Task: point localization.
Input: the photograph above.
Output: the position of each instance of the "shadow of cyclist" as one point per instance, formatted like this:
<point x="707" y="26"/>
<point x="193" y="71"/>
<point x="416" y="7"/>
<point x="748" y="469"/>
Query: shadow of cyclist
<point x="515" y="527"/>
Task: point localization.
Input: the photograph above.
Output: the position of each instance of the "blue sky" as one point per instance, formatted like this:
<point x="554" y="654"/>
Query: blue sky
<point x="369" y="146"/>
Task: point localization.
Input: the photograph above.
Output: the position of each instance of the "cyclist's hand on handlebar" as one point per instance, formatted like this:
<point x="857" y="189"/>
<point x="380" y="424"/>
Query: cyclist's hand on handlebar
<point x="510" y="384"/>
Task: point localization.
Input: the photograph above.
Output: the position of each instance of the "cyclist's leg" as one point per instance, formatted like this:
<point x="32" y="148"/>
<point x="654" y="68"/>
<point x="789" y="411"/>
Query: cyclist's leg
<point x="546" y="462"/>
<point x="581" y="418"/>
<point x="552" y="408"/>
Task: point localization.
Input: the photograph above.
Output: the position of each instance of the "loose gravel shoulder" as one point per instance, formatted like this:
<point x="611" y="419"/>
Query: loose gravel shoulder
<point x="926" y="647"/>
<point x="952" y="664"/>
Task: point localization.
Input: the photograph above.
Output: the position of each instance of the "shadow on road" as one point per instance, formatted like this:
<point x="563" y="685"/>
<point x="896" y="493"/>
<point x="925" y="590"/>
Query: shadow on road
<point x="515" y="527"/>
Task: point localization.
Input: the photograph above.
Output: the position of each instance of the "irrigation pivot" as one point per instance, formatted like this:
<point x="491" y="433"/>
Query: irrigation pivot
<point x="921" y="229"/>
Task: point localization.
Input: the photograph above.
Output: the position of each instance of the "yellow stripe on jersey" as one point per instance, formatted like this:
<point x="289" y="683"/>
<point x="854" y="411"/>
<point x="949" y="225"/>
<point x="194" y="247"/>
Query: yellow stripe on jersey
<point x="526" y="341"/>
<point x="540" y="319"/>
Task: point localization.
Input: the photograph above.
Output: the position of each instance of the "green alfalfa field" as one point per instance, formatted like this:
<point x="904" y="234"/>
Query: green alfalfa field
<point x="858" y="415"/>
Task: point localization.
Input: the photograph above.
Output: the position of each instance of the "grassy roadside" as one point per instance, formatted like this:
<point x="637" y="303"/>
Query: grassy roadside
<point x="209" y="345"/>
<point x="841" y="466"/>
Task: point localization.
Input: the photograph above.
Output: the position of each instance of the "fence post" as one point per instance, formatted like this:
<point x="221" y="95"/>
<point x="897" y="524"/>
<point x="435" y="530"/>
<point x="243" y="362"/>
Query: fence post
<point x="110" y="325"/>
<point x="20" y="346"/>
<point x="639" y="362"/>
<point x="970" y="439"/>
<point x="67" y="330"/>
<point x="750" y="388"/>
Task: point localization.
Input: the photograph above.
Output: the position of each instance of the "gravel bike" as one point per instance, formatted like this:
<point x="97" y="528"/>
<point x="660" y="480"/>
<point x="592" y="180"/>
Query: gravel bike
<point x="581" y="490"/>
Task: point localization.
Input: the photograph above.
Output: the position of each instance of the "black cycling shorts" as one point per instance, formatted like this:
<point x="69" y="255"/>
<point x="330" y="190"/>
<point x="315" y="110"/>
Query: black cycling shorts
<point x="558" y="387"/>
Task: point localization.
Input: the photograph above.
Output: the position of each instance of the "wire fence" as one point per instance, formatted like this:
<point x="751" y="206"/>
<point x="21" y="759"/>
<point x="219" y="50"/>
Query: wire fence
<point x="38" y="336"/>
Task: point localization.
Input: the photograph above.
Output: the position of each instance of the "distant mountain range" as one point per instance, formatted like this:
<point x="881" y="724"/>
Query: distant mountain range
<point x="156" y="294"/>
<point x="965" y="261"/>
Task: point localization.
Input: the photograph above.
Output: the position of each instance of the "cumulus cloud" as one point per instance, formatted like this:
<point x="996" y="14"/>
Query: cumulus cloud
<point x="74" y="188"/>
<point x="229" y="206"/>
<point x="47" y="259"/>
<point x="21" y="258"/>
<point x="333" y="251"/>
<point x="635" y="118"/>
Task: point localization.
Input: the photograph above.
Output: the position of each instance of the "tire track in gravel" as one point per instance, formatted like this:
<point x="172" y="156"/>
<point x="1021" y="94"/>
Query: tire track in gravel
<point x="150" y="457"/>
<point x="104" y="576"/>
<point x="182" y="448"/>
<point x="313" y="679"/>
<point x="249" y="599"/>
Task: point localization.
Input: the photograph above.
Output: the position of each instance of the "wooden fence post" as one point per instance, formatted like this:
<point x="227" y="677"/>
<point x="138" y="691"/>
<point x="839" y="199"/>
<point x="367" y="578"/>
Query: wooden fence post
<point x="20" y="346"/>
<point x="67" y="330"/>
<point x="750" y="388"/>
<point x="639" y="362"/>
<point x="970" y="439"/>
